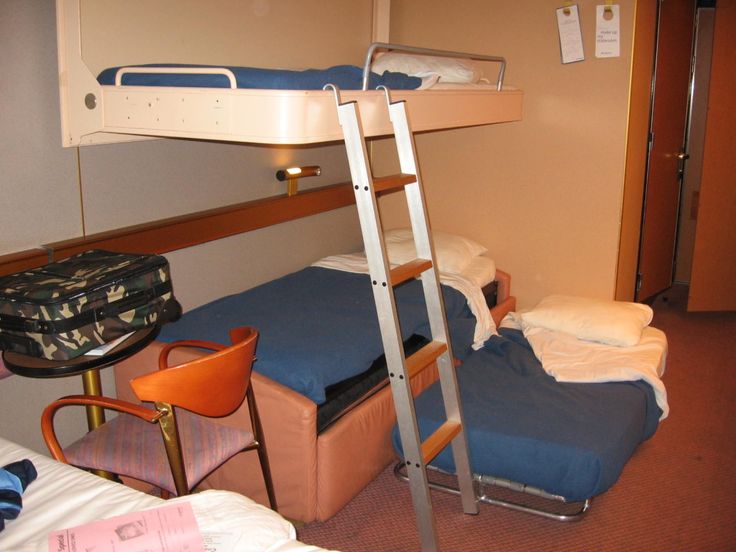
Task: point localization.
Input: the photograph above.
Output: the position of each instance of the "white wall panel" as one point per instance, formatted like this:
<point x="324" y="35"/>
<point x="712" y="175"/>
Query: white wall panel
<point x="38" y="180"/>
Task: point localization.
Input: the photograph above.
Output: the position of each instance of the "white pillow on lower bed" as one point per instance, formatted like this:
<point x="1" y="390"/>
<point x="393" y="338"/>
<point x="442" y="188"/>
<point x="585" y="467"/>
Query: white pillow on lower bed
<point x="453" y="253"/>
<point x="480" y="271"/>
<point x="611" y="322"/>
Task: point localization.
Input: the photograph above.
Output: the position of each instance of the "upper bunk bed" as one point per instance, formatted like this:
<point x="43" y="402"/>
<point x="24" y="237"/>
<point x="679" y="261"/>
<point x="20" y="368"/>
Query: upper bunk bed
<point x="97" y="113"/>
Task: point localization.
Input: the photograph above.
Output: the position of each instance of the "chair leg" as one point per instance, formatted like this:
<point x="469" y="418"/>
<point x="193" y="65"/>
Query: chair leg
<point x="261" y="448"/>
<point x="170" y="435"/>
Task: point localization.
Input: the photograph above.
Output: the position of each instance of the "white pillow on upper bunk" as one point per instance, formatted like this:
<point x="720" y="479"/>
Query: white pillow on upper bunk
<point x="617" y="323"/>
<point x="446" y="68"/>
<point x="453" y="253"/>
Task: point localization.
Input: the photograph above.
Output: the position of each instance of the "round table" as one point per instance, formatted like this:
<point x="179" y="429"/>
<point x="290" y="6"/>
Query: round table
<point x="86" y="365"/>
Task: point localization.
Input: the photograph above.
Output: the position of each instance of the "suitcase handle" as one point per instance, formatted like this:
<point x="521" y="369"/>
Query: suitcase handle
<point x="20" y="344"/>
<point x="131" y="302"/>
<point x="13" y="323"/>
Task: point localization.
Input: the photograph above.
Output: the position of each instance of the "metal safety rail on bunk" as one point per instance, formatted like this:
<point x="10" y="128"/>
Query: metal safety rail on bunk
<point x="417" y="453"/>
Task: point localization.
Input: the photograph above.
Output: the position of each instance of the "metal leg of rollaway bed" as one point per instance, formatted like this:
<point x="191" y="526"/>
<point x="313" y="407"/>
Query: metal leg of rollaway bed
<point x="483" y="481"/>
<point x="384" y="279"/>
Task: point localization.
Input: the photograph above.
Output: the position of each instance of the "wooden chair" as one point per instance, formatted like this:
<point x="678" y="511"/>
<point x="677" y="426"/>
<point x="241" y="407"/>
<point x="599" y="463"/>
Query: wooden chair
<point x="187" y="445"/>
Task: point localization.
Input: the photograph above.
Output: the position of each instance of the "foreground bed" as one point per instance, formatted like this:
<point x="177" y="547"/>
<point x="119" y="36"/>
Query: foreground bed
<point x="318" y="464"/>
<point x="62" y="497"/>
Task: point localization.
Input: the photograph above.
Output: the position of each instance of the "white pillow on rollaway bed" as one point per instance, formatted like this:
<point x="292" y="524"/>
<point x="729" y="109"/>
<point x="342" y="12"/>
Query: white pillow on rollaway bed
<point x="617" y="323"/>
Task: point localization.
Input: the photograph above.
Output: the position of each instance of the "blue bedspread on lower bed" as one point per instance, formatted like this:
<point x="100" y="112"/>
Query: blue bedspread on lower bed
<point x="319" y="326"/>
<point x="346" y="77"/>
<point x="569" y="439"/>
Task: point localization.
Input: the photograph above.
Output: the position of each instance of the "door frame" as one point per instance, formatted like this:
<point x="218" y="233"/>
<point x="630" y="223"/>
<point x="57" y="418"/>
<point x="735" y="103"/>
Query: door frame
<point x="638" y="148"/>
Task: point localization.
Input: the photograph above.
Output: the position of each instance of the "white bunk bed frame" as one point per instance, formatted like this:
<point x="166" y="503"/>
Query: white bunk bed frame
<point x="92" y="113"/>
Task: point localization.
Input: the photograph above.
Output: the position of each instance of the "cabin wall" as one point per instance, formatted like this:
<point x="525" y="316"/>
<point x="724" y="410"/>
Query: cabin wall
<point x="543" y="194"/>
<point x="52" y="193"/>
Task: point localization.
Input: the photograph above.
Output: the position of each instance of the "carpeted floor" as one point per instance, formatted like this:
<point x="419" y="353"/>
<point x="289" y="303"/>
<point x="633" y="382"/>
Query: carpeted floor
<point x="678" y="491"/>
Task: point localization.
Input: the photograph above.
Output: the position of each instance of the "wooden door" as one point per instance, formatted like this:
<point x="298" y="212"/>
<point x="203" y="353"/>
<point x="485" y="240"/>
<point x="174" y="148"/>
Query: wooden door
<point x="669" y="116"/>
<point x="713" y="278"/>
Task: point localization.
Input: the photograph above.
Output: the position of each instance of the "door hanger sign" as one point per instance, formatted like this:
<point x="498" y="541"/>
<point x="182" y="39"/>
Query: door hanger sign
<point x="571" y="39"/>
<point x="607" y="36"/>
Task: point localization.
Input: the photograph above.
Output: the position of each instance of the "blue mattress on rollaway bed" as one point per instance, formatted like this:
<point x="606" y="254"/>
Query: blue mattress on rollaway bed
<point x="568" y="439"/>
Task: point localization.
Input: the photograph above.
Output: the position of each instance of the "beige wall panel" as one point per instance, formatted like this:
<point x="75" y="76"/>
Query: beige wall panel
<point x="206" y="272"/>
<point x="125" y="184"/>
<point x="23" y="401"/>
<point x="264" y="33"/>
<point x="544" y="195"/>
<point x="38" y="179"/>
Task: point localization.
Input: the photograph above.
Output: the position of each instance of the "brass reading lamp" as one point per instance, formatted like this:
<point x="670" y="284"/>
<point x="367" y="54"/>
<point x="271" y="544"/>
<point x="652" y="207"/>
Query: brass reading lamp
<point x="293" y="174"/>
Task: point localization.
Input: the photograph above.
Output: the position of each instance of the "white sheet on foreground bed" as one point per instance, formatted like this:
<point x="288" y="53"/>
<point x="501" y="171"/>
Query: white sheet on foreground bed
<point x="485" y="326"/>
<point x="569" y="359"/>
<point x="63" y="496"/>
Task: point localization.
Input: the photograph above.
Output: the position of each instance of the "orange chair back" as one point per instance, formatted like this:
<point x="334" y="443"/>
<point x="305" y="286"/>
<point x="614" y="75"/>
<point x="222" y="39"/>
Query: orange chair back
<point x="214" y="385"/>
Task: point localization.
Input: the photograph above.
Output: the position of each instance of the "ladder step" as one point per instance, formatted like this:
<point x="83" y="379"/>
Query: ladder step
<point x="392" y="182"/>
<point x="424" y="357"/>
<point x="409" y="270"/>
<point x="439" y="440"/>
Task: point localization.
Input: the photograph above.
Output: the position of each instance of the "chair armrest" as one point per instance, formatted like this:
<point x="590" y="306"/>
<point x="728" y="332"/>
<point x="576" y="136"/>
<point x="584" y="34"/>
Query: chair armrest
<point x="47" y="418"/>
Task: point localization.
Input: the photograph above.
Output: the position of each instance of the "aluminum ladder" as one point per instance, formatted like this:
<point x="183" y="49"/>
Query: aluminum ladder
<point x="417" y="453"/>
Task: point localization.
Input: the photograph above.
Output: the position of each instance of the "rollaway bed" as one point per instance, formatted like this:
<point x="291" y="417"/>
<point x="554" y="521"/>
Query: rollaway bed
<point x="565" y="442"/>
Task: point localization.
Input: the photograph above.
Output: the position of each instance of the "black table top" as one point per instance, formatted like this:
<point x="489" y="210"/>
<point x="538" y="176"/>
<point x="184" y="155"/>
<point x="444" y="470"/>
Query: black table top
<point x="33" y="367"/>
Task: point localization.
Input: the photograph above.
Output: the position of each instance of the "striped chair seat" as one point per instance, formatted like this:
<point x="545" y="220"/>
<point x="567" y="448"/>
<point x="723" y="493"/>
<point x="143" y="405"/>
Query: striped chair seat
<point x="129" y="446"/>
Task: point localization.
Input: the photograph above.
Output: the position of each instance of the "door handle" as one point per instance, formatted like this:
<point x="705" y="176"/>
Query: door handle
<point x="681" y="158"/>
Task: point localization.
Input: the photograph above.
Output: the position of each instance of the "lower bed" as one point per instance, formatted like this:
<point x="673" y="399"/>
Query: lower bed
<point x="527" y="431"/>
<point x="316" y="470"/>
<point x="62" y="497"/>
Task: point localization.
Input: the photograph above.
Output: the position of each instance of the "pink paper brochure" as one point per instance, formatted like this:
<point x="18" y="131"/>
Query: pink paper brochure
<point x="171" y="528"/>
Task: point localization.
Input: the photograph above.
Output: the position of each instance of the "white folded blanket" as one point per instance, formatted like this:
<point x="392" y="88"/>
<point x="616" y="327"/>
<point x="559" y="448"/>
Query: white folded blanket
<point x="485" y="327"/>
<point x="569" y="359"/>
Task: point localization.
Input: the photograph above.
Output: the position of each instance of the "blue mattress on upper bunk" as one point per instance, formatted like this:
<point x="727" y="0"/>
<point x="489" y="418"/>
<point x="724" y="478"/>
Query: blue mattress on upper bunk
<point x="568" y="439"/>
<point x="347" y="77"/>
<point x="319" y="326"/>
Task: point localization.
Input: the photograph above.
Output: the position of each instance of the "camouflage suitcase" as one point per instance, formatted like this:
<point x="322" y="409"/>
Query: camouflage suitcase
<point x="64" y="309"/>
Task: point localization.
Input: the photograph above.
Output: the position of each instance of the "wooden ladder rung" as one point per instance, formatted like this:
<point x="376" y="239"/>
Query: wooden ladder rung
<point x="392" y="182"/>
<point x="409" y="270"/>
<point x="436" y="442"/>
<point x="424" y="357"/>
